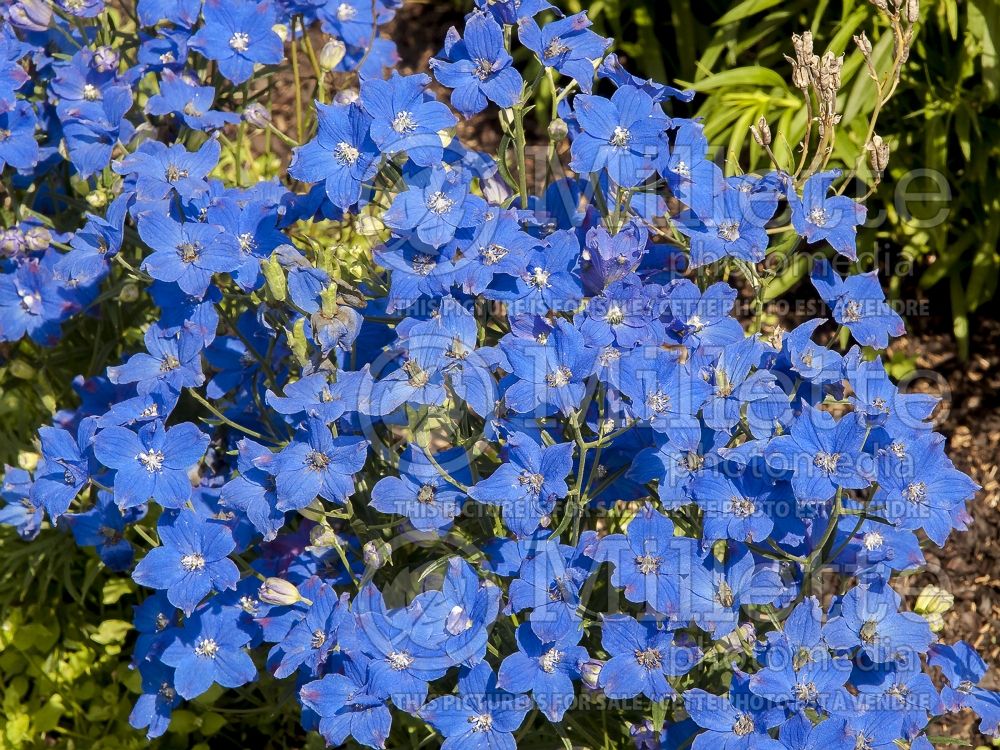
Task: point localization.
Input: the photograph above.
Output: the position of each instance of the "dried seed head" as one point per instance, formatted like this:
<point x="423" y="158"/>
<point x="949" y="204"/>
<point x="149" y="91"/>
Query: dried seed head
<point x="878" y="155"/>
<point x="911" y="11"/>
<point x="882" y="5"/>
<point x="863" y="44"/>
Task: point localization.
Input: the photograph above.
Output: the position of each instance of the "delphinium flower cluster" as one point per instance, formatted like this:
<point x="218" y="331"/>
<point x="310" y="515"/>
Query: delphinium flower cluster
<point x="468" y="445"/>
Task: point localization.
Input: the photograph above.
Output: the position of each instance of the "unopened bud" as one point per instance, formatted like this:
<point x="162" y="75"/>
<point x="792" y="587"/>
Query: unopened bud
<point x="932" y="602"/>
<point x="256" y="115"/>
<point x="878" y="154"/>
<point x="761" y="132"/>
<point x="97" y="199"/>
<point x="105" y="59"/>
<point x="347" y="96"/>
<point x="558" y="130"/>
<point x="332" y="54"/>
<point x="129" y="293"/>
<point x="376" y="554"/>
<point x="279" y="592"/>
<point x="590" y="672"/>
<point x="863" y="44"/>
<point x="37" y="238"/>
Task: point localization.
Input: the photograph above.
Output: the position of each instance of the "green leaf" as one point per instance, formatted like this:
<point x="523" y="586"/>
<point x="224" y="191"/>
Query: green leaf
<point x="111" y="631"/>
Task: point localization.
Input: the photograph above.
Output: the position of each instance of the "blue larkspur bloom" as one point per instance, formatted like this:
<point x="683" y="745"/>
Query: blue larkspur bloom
<point x="151" y="463"/>
<point x="642" y="656"/>
<point x="209" y="649"/>
<point x="191" y="562"/>
<point x="238" y="34"/>
<point x="478" y="68"/>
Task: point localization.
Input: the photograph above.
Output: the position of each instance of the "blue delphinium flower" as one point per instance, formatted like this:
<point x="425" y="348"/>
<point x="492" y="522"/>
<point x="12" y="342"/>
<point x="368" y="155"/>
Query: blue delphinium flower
<point x="478" y="68"/>
<point x="192" y="561"/>
<point x="965" y="669"/>
<point x="726" y="227"/>
<point x="32" y="302"/>
<point x="622" y="135"/>
<point x="457" y="618"/>
<point x="318" y="465"/>
<point x="153" y="463"/>
<point x="739" y="721"/>
<point x="209" y="649"/>
<point x="433" y="210"/>
<point x="161" y="170"/>
<point x="662" y="389"/>
<point x="420" y="492"/>
<point x="155" y="706"/>
<point x="171" y="359"/>
<point x="643" y="655"/>
<point x="186" y="253"/>
<point x="734" y="505"/>
<point x="549" y="585"/>
<point x="823" y="454"/>
<point x="405" y="117"/>
<point x="920" y="488"/>
<point x="19" y="510"/>
<point x="550" y="372"/>
<point x="18" y="147"/>
<point x="546" y="669"/>
<point x="801" y="679"/>
<point x="819" y="216"/>
<point x="718" y="590"/>
<point x="702" y="319"/>
<point x="342" y="155"/>
<point x="527" y="486"/>
<point x="648" y="560"/>
<point x="64" y="468"/>
<point x="103" y="527"/>
<point x="566" y="44"/>
<point x="347" y="706"/>
<point x="254" y="492"/>
<point x="481" y="715"/>
<point x="238" y="34"/>
<point x="858" y="303"/>
<point x="190" y="102"/>
<point x="870" y="619"/>
<point x="311" y="640"/>
<point x="402" y="663"/>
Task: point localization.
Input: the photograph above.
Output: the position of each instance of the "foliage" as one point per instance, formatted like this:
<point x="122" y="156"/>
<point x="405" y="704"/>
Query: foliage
<point x="403" y="443"/>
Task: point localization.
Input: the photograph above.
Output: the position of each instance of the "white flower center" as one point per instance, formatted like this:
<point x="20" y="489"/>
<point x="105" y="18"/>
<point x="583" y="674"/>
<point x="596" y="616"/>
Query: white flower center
<point x="207" y="647"/>
<point x="440" y="204"/>
<point x="346" y="154"/>
<point x="346" y="12"/>
<point x="404" y="123"/>
<point x="193" y="562"/>
<point x="621" y="138"/>
<point x="240" y="41"/>
<point x="152" y="460"/>
<point x="729" y="231"/>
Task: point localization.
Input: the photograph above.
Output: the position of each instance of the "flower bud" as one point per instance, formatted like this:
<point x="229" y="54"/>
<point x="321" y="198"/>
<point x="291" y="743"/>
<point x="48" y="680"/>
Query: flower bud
<point x="279" y="592"/>
<point x="12" y="242"/>
<point x="129" y="293"/>
<point x="106" y="59"/>
<point x="256" y="115"/>
<point x="332" y="54"/>
<point x="97" y="199"/>
<point x="347" y="96"/>
<point x="932" y="602"/>
<point x="376" y="554"/>
<point x="558" y="130"/>
<point x="323" y="537"/>
<point x="37" y="238"/>
<point x="590" y="671"/>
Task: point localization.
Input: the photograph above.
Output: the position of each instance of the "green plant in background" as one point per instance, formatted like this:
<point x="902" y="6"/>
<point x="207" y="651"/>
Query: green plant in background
<point x="942" y="215"/>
